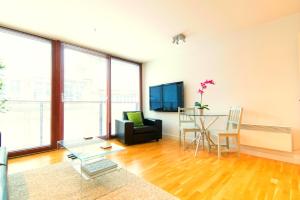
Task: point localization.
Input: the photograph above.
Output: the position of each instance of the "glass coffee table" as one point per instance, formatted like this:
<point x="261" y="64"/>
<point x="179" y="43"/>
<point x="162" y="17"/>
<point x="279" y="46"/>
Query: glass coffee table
<point x="88" y="157"/>
<point x="91" y="154"/>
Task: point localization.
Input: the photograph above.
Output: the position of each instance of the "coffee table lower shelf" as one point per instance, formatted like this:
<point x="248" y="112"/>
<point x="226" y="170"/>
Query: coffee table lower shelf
<point x="81" y="168"/>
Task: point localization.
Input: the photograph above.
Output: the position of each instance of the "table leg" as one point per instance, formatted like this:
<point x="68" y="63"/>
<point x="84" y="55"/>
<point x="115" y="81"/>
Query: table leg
<point x="208" y="141"/>
<point x="203" y="136"/>
<point x="198" y="142"/>
<point x="206" y="134"/>
<point x="203" y="132"/>
<point x="219" y="147"/>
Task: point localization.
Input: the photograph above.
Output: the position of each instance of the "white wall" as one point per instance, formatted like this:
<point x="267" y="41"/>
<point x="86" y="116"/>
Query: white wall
<point x="257" y="68"/>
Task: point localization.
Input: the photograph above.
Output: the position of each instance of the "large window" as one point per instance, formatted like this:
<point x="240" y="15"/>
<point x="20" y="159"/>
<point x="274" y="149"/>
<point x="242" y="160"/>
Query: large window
<point x="85" y="93"/>
<point x="125" y="89"/>
<point x="27" y="83"/>
<point x="58" y="91"/>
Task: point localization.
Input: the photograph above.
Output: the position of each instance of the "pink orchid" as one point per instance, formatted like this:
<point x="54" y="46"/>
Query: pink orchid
<point x="203" y="85"/>
<point x="200" y="91"/>
<point x="209" y="82"/>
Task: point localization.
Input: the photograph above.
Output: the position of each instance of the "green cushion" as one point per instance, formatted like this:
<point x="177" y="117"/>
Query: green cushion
<point x="136" y="118"/>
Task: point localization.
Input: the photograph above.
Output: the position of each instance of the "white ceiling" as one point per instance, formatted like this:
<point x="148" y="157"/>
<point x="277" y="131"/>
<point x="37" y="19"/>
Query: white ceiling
<point x="137" y="29"/>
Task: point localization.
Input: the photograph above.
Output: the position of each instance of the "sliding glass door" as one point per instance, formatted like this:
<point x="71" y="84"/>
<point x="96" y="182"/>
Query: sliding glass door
<point x="85" y="93"/>
<point x="125" y="89"/>
<point x="27" y="82"/>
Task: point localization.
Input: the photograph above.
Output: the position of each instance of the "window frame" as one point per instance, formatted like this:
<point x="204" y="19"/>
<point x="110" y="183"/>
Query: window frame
<point x="42" y="147"/>
<point x="92" y="53"/>
<point x="140" y="85"/>
<point x="57" y="88"/>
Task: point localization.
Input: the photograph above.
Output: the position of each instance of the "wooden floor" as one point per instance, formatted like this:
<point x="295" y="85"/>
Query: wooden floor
<point x="171" y="168"/>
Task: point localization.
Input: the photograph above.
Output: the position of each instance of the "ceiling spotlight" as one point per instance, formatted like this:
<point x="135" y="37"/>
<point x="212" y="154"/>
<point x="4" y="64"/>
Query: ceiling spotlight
<point x="179" y="38"/>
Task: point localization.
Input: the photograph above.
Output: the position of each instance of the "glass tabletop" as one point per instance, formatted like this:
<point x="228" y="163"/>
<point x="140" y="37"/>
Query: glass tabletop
<point x="89" y="149"/>
<point x="207" y="115"/>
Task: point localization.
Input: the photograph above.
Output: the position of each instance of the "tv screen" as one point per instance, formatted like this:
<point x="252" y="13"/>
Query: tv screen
<point x="166" y="97"/>
<point x="156" y="98"/>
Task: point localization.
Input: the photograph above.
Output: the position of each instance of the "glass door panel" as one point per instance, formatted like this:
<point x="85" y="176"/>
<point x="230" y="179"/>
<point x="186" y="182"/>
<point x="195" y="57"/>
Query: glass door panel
<point x="27" y="82"/>
<point x="125" y="89"/>
<point x="85" y="77"/>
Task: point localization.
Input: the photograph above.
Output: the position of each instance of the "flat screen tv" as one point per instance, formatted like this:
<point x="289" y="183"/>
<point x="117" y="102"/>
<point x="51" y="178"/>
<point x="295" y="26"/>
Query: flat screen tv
<point x="166" y="97"/>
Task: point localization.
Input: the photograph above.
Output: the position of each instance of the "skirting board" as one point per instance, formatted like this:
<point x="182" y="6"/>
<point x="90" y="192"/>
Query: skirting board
<point x="290" y="157"/>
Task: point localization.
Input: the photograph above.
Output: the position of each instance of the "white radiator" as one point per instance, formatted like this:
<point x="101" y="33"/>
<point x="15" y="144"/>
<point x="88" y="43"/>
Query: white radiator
<point x="267" y="137"/>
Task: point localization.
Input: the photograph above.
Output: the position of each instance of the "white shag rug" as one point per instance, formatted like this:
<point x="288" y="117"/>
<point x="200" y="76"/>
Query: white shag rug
<point x="62" y="182"/>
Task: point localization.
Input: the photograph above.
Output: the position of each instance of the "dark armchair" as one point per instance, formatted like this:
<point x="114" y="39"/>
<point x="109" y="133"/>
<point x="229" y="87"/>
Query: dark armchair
<point x="129" y="134"/>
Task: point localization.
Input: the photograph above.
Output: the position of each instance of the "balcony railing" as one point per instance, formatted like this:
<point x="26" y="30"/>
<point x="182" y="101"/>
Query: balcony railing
<point x="26" y="124"/>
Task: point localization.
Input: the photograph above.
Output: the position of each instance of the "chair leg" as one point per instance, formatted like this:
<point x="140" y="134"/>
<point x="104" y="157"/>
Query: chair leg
<point x="238" y="144"/>
<point x="227" y="142"/>
<point x="179" y="137"/>
<point x="219" y="147"/>
<point x="183" y="140"/>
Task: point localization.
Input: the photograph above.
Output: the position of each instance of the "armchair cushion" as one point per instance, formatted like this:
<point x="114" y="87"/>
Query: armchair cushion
<point x="145" y="129"/>
<point x="125" y="116"/>
<point x="136" y="118"/>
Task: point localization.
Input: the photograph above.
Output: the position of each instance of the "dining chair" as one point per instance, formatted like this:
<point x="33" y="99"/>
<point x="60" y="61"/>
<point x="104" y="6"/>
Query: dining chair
<point x="187" y="123"/>
<point x="232" y="131"/>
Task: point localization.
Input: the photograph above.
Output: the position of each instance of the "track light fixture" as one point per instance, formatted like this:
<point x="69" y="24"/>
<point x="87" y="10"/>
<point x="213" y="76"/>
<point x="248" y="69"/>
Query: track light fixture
<point x="179" y="38"/>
